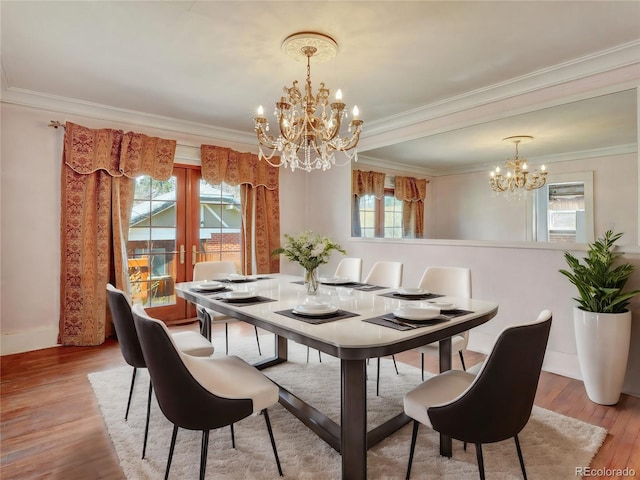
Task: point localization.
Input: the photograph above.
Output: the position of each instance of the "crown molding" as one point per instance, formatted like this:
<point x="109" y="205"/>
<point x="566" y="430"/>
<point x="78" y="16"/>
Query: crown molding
<point x="71" y="106"/>
<point x="614" y="69"/>
<point x="603" y="72"/>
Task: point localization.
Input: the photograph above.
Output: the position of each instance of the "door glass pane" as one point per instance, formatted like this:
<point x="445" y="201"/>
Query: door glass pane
<point x="220" y="223"/>
<point x="151" y="249"/>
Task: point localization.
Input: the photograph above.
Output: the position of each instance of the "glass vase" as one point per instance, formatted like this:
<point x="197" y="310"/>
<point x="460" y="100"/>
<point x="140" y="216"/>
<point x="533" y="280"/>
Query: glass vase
<point x="311" y="281"/>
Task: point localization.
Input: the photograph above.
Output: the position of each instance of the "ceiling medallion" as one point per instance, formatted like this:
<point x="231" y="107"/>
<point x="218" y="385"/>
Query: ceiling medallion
<point x="309" y="125"/>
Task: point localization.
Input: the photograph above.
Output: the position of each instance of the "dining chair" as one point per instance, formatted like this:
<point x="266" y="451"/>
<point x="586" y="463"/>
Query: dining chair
<point x="351" y="268"/>
<point x="384" y="274"/>
<point x="187" y="342"/>
<point x="488" y="407"/>
<point x="453" y="282"/>
<point x="217" y="270"/>
<point x="202" y="393"/>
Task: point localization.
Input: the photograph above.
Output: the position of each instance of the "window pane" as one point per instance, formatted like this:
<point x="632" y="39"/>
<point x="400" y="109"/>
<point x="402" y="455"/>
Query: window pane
<point x="151" y="249"/>
<point x="220" y="223"/>
<point x="392" y="217"/>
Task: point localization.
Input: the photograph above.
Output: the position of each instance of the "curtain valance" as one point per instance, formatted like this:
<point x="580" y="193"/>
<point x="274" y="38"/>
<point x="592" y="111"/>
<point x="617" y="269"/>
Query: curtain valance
<point x="221" y="164"/>
<point x="367" y="183"/>
<point x="409" y="189"/>
<point x="128" y="154"/>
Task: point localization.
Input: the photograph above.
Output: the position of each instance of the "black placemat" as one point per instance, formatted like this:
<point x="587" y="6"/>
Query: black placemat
<point x="388" y="320"/>
<point x="245" y="302"/>
<point x="211" y="292"/>
<point x="365" y="287"/>
<point x="402" y="296"/>
<point x="318" y="319"/>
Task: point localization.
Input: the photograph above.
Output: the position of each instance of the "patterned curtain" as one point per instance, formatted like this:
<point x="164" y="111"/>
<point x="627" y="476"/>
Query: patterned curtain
<point x="363" y="183"/>
<point x="98" y="171"/>
<point x="411" y="191"/>
<point x="260" y="198"/>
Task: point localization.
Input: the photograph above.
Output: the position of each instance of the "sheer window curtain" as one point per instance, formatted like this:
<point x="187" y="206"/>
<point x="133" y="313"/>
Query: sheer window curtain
<point x="363" y="183"/>
<point x="260" y="198"/>
<point x="98" y="171"/>
<point x="411" y="191"/>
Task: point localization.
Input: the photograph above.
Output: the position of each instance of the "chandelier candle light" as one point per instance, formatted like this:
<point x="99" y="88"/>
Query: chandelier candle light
<point x="309" y="124"/>
<point x="518" y="176"/>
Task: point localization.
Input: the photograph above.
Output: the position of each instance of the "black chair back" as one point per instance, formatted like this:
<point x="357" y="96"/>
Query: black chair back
<point x="182" y="399"/>
<point x="498" y="404"/>
<point x="125" y="328"/>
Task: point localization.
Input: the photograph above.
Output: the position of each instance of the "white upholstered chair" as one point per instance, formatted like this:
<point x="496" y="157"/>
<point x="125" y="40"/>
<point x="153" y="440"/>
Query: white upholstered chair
<point x="350" y="268"/>
<point x="384" y="274"/>
<point x="450" y="281"/>
<point x="202" y="394"/>
<point x="493" y="405"/>
<point x="217" y="270"/>
<point x="188" y="342"/>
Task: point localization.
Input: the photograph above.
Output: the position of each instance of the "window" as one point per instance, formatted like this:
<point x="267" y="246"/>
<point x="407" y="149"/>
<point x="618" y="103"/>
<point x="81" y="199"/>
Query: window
<point x="563" y="209"/>
<point x="220" y="222"/>
<point x="380" y="217"/>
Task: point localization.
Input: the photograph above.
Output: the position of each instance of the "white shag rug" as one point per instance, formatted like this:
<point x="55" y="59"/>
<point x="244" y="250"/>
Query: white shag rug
<point x="553" y="445"/>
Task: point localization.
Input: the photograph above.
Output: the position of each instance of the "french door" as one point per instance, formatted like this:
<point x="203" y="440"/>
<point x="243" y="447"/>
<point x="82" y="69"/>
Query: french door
<point x="175" y="224"/>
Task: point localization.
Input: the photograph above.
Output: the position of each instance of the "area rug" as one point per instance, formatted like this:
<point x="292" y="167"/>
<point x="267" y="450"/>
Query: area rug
<point x="553" y="445"/>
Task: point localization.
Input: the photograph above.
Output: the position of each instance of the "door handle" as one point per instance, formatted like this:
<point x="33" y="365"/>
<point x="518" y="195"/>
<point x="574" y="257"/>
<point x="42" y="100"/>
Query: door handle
<point x="182" y="252"/>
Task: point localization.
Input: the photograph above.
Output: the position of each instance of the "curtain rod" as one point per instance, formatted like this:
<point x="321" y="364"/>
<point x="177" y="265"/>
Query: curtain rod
<point x="55" y="124"/>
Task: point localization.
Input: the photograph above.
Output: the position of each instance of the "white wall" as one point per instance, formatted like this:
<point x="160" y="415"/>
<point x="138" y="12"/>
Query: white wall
<point x="31" y="158"/>
<point x="522" y="280"/>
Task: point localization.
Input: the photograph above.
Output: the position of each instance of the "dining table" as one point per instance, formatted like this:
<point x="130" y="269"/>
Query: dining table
<point x="358" y="324"/>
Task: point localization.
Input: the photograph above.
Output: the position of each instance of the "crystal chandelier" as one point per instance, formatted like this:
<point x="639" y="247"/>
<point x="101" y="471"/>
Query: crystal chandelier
<point x="518" y="178"/>
<point x="309" y="125"/>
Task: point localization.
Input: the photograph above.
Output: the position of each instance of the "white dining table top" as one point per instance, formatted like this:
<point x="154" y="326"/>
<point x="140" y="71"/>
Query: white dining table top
<point x="345" y="333"/>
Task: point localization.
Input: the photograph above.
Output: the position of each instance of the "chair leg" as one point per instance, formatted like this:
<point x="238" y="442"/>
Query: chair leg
<point x="524" y="472"/>
<point x="480" y="460"/>
<point x="393" y="357"/>
<point x="146" y="424"/>
<point x="464" y="367"/>
<point x="414" y="436"/>
<point x="422" y="365"/>
<point x="233" y="437"/>
<point x="319" y="356"/>
<point x="133" y="381"/>
<point x="273" y="442"/>
<point x="226" y="339"/>
<point x="258" y="340"/>
<point x="378" y="378"/>
<point x="173" y="444"/>
<point x="307" y="354"/>
<point x="203" y="453"/>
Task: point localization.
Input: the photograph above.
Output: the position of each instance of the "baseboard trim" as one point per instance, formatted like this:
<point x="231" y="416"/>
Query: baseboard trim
<point x="36" y="339"/>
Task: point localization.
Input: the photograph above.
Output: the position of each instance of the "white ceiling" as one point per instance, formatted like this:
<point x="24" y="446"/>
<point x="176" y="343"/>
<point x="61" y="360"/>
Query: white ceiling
<point x="210" y="63"/>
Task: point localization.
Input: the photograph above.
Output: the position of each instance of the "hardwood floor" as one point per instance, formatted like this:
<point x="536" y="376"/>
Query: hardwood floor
<point x="51" y="426"/>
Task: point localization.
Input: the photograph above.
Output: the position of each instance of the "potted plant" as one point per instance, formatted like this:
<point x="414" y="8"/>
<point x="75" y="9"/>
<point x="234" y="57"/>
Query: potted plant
<point x="310" y="251"/>
<point x="601" y="319"/>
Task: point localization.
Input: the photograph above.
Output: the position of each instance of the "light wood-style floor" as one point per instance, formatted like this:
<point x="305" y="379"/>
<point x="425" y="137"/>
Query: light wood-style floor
<point x="51" y="426"/>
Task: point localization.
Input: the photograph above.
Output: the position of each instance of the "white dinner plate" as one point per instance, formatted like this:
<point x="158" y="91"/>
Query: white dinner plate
<point x="315" y="309"/>
<point x="444" y="306"/>
<point x="209" y="285"/>
<point x="334" y="280"/>
<point x="234" y="277"/>
<point x="416" y="313"/>
<point x="412" y="291"/>
<point x="239" y="295"/>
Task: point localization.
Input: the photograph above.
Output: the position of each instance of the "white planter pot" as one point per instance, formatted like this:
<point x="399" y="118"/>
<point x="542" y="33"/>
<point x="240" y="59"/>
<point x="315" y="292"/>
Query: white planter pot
<point x="602" y="341"/>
